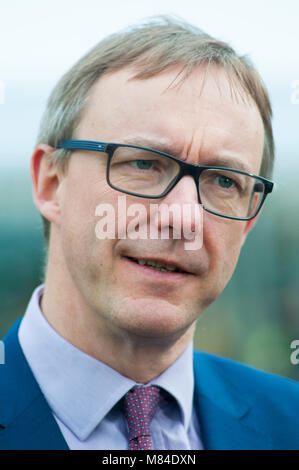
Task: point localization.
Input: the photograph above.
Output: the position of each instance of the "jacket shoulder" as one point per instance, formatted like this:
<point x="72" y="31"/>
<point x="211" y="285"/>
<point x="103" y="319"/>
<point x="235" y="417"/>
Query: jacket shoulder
<point x="267" y="390"/>
<point x="261" y="406"/>
<point x="243" y="373"/>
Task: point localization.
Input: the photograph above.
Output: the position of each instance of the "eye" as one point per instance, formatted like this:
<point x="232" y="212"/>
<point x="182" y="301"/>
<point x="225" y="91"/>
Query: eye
<point x="224" y="181"/>
<point x="142" y="164"/>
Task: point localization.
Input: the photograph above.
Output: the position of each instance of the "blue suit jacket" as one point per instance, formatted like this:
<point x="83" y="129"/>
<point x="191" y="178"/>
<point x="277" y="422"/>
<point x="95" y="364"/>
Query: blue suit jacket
<point x="238" y="407"/>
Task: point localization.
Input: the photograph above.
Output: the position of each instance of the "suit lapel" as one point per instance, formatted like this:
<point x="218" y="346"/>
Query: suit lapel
<point x="228" y="420"/>
<point x="25" y="417"/>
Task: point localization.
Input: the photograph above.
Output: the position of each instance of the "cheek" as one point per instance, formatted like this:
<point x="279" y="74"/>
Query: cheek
<point x="88" y="256"/>
<point x="81" y="196"/>
<point x="223" y="241"/>
<point x="77" y="216"/>
<point x="78" y="220"/>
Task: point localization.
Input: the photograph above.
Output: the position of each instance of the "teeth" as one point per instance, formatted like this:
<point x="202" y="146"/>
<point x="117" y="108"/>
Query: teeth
<point x="157" y="265"/>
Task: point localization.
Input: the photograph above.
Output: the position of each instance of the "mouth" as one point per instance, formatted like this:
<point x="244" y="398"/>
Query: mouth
<point x="159" y="265"/>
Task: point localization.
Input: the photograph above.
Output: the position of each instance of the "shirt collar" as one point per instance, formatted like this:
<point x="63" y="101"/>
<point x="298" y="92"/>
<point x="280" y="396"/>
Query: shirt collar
<point x="80" y="389"/>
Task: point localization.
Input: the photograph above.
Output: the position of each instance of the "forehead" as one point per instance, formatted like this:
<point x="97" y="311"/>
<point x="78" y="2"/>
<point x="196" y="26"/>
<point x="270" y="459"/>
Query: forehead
<point x="197" y="118"/>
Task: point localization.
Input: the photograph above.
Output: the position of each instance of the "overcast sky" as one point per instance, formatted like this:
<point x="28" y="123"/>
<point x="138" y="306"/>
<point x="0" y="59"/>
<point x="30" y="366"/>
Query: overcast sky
<point x="41" y="39"/>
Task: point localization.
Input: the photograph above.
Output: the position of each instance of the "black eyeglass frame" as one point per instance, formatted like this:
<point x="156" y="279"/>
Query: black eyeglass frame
<point x="185" y="169"/>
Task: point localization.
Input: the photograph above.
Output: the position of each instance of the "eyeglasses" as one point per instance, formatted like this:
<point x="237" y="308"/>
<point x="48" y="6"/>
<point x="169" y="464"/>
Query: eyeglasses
<point x="148" y="173"/>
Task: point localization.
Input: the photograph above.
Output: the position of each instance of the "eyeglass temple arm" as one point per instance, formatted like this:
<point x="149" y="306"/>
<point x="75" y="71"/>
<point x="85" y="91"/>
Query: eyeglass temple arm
<point x="82" y="145"/>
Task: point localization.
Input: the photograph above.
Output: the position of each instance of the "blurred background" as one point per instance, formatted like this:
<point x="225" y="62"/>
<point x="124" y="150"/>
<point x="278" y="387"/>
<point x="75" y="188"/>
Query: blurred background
<point x="256" y="318"/>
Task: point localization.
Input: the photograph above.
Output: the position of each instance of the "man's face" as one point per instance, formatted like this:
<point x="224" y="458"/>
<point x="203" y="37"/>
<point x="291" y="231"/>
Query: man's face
<point x="199" y="125"/>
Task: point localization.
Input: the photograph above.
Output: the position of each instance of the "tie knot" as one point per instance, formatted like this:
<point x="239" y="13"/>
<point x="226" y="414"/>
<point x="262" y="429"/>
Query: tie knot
<point x="140" y="406"/>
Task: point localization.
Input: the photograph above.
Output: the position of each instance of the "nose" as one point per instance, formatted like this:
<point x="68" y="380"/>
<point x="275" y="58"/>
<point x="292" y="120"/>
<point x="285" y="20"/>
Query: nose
<point x="181" y="210"/>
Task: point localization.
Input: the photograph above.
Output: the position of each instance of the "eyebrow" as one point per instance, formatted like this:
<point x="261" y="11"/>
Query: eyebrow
<point x="226" y="162"/>
<point x="232" y="162"/>
<point x="160" y="146"/>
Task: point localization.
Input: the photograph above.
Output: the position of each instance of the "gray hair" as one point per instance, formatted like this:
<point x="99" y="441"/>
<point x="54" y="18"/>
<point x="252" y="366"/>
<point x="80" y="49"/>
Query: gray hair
<point x="151" y="48"/>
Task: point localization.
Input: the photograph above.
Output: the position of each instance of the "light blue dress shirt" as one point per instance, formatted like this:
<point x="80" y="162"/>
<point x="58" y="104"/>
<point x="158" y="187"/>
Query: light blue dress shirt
<point x="84" y="394"/>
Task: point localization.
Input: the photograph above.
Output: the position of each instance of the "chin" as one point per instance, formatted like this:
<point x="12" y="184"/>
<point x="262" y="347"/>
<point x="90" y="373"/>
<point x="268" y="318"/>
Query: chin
<point x="155" y="320"/>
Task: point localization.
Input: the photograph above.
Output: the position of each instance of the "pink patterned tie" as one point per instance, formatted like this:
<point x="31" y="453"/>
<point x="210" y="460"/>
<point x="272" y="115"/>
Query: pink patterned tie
<point x="140" y="406"/>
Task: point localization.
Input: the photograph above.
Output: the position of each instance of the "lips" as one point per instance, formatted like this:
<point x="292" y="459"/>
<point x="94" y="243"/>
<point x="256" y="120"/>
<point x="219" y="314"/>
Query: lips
<point x="160" y="265"/>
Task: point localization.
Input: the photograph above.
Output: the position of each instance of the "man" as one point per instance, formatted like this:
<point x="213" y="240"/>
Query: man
<point x="103" y="357"/>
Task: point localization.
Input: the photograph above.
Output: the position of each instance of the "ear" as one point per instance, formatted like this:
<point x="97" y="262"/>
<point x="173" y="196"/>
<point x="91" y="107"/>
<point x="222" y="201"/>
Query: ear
<point x="46" y="178"/>
<point x="251" y="223"/>
<point x="249" y="226"/>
